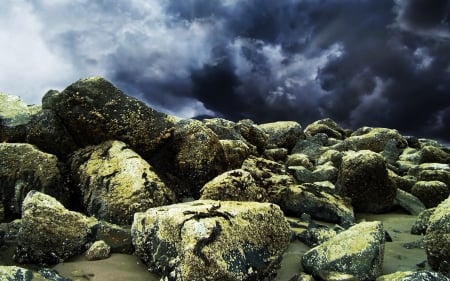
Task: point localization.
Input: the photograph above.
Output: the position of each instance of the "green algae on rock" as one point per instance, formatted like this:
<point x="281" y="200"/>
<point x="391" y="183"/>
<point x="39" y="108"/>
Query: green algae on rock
<point x="93" y="110"/>
<point x="357" y="251"/>
<point x="212" y="240"/>
<point x="116" y="182"/>
<point x="23" y="167"/>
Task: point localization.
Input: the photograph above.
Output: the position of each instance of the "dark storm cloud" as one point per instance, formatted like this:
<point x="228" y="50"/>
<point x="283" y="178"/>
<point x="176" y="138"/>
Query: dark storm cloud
<point x="375" y="63"/>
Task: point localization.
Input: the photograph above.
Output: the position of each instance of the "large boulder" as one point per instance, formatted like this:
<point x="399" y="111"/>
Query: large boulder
<point x="326" y="126"/>
<point x="283" y="134"/>
<point x="374" y="139"/>
<point x="234" y="185"/>
<point x="49" y="233"/>
<point x="191" y="158"/>
<point x="318" y="202"/>
<point x="269" y="175"/>
<point x="14" y="117"/>
<point x="431" y="193"/>
<point x="236" y="151"/>
<point x="116" y="182"/>
<point x="212" y="240"/>
<point x="357" y="251"/>
<point x="433" y="154"/>
<point x="253" y="134"/>
<point x="22" y="168"/>
<point x="93" y="110"/>
<point x="364" y="178"/>
<point x="437" y="238"/>
<point x="48" y="133"/>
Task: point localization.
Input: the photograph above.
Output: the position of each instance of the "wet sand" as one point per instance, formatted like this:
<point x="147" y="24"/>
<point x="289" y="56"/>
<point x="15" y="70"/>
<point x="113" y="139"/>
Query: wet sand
<point x="126" y="267"/>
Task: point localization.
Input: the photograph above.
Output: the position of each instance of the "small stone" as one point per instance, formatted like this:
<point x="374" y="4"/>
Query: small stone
<point x="98" y="251"/>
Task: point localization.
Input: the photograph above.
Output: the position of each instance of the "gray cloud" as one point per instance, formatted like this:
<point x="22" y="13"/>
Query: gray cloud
<point x="376" y="63"/>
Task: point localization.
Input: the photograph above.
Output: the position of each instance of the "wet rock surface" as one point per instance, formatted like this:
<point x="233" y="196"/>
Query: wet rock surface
<point x="92" y="157"/>
<point x="212" y="240"/>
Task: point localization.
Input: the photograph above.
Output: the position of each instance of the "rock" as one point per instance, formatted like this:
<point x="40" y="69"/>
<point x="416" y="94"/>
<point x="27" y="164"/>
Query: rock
<point x="312" y="147"/>
<point x="437" y="238"/>
<point x="191" y="158"/>
<point x="317" y="202"/>
<point x="302" y="174"/>
<point x="435" y="175"/>
<point x="302" y="277"/>
<point x="212" y="240"/>
<point x="423" y="275"/>
<point x="421" y="224"/>
<point x="49" y="233"/>
<point x="236" y="151"/>
<point x="432" y="154"/>
<point x="330" y="155"/>
<point x="409" y="202"/>
<point x="253" y="134"/>
<point x="224" y="129"/>
<point x="116" y="182"/>
<point x="47" y="132"/>
<point x="316" y="234"/>
<point x="325" y="172"/>
<point x="98" y="251"/>
<point x="392" y="150"/>
<point x="326" y="126"/>
<point x="14" y="117"/>
<point x="404" y="183"/>
<point x="234" y="185"/>
<point x="410" y="154"/>
<point x="118" y="238"/>
<point x="299" y="159"/>
<point x="15" y="273"/>
<point x="375" y="139"/>
<point x="431" y="193"/>
<point x="22" y="168"/>
<point x="269" y="175"/>
<point x="364" y="178"/>
<point x="357" y="251"/>
<point x="282" y="134"/>
<point x="276" y="154"/>
<point x="93" y="110"/>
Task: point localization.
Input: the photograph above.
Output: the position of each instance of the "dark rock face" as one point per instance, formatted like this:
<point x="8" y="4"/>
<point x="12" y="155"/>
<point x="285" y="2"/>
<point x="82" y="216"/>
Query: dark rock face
<point x="431" y="193"/>
<point x="22" y="168"/>
<point x="116" y="182"/>
<point x="364" y="178"/>
<point x="93" y="111"/>
<point x="47" y="132"/>
<point x="282" y="134"/>
<point x="212" y="240"/>
<point x="421" y="224"/>
<point x="326" y="126"/>
<point x="14" y="273"/>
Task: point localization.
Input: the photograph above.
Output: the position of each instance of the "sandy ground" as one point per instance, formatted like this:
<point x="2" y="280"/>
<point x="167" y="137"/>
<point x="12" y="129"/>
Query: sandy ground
<point x="126" y="267"/>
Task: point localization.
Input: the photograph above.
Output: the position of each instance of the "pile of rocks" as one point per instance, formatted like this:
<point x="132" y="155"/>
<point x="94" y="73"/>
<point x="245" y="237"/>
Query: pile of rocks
<point x="94" y="170"/>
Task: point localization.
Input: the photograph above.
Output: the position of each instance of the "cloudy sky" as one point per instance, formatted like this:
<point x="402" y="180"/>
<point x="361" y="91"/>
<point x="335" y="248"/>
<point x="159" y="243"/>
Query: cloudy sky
<point x="360" y="62"/>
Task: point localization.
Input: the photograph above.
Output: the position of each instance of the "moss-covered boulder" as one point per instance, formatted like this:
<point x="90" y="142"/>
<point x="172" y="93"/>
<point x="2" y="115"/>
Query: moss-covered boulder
<point x="374" y="139"/>
<point x="212" y="240"/>
<point x="319" y="202"/>
<point x="23" y="167"/>
<point x="236" y="151"/>
<point x="433" y="154"/>
<point x="282" y="134"/>
<point x="116" y="182"/>
<point x="357" y="251"/>
<point x="234" y="185"/>
<point x="253" y="134"/>
<point x="49" y="233"/>
<point x="326" y="126"/>
<point x="437" y="238"/>
<point x="420" y="226"/>
<point x="93" y="110"/>
<point x="431" y="193"/>
<point x="363" y="177"/>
